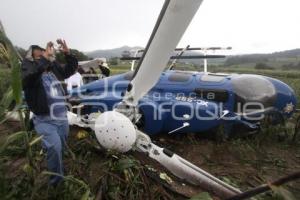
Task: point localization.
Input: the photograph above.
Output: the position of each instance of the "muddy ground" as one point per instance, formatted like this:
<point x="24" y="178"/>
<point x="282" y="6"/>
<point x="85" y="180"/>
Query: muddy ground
<point x="244" y="163"/>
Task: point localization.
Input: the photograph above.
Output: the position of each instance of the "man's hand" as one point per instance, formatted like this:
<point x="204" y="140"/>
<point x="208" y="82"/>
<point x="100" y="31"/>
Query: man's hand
<point x="49" y="52"/>
<point x="63" y="46"/>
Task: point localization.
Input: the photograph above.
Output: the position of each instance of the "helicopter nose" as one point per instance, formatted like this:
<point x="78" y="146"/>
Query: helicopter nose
<point x="264" y="91"/>
<point x="286" y="100"/>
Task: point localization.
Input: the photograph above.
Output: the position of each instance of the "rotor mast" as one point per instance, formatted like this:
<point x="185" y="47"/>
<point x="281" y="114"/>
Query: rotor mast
<point x="205" y="50"/>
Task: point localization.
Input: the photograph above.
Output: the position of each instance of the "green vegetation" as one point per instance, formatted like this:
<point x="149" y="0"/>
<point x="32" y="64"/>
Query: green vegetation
<point x="262" y="66"/>
<point x="4" y="80"/>
<point x="92" y="173"/>
<point x="114" y="61"/>
<point x="274" y="60"/>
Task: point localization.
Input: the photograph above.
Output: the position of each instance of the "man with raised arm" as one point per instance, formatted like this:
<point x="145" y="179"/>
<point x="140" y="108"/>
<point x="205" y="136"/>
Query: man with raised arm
<point x="42" y="79"/>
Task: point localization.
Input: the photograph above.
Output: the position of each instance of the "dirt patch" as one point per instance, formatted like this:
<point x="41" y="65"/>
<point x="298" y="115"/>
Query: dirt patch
<point x="8" y="128"/>
<point x="241" y="163"/>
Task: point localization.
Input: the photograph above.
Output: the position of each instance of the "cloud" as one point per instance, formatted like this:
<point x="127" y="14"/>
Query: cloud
<point x="248" y="26"/>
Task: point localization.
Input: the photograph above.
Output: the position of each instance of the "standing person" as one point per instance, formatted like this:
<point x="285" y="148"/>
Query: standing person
<point x="45" y="97"/>
<point x="104" y="69"/>
<point x="74" y="81"/>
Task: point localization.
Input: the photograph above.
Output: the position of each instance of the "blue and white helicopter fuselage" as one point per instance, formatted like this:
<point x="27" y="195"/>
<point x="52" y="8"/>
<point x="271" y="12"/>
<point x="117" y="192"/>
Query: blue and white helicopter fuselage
<point x="187" y="101"/>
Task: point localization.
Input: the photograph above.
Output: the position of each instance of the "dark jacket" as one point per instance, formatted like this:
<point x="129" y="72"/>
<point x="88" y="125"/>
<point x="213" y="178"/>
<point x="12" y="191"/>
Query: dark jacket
<point x="34" y="92"/>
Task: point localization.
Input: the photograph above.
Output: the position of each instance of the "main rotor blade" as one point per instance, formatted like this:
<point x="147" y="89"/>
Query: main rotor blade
<point x="197" y="49"/>
<point x="191" y="173"/>
<point x="174" y="19"/>
<point x="181" y="57"/>
<point x="204" y="48"/>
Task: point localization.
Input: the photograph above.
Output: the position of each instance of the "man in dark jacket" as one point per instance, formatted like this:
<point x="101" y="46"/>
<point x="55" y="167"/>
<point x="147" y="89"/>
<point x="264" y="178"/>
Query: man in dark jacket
<point x="45" y="95"/>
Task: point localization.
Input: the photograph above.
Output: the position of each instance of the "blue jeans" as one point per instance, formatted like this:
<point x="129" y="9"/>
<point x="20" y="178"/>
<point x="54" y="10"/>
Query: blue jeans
<point x="54" y="134"/>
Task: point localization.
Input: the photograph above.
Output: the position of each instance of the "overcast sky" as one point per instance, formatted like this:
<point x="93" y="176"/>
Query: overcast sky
<point x="249" y="26"/>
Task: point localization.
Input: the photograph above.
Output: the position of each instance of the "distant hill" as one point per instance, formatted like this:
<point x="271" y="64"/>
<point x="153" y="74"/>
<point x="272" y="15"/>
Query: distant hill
<point x="110" y="53"/>
<point x="288" y="56"/>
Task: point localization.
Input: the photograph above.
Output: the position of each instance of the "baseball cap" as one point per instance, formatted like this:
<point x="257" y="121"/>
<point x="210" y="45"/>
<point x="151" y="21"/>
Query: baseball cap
<point x="37" y="47"/>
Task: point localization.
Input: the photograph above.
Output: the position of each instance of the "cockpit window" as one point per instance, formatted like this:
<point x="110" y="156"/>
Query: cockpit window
<point x="212" y="78"/>
<point x="179" y="77"/>
<point x="253" y="89"/>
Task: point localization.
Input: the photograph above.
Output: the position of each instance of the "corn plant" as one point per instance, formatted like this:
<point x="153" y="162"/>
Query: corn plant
<point x="10" y="57"/>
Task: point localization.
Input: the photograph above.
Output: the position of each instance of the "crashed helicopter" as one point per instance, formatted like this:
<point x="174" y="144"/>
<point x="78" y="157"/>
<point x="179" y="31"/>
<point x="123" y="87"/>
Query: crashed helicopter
<point x="129" y="107"/>
<point x="117" y="129"/>
<point x="150" y="101"/>
<point x="190" y="101"/>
